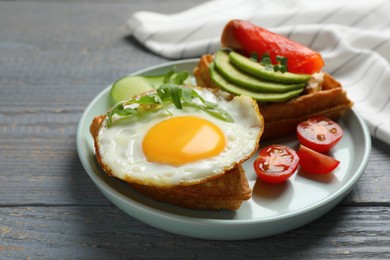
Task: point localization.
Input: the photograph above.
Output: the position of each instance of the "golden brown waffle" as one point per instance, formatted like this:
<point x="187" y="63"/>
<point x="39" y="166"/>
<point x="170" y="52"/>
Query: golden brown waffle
<point x="282" y="118"/>
<point x="226" y="191"/>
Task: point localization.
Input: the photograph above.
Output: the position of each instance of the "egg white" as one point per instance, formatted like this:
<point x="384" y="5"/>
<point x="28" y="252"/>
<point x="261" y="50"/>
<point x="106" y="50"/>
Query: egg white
<point x="120" y="146"/>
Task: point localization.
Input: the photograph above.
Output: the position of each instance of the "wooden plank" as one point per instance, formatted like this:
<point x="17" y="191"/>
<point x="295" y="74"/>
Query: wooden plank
<point x="82" y="43"/>
<point x="373" y="185"/>
<point x="52" y="66"/>
<point x="55" y="57"/>
<point x="32" y="164"/>
<point x="53" y="74"/>
<point x="106" y="232"/>
<point x="73" y="43"/>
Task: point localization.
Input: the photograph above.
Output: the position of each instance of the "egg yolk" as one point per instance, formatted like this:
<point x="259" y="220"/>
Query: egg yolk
<point x="181" y="140"/>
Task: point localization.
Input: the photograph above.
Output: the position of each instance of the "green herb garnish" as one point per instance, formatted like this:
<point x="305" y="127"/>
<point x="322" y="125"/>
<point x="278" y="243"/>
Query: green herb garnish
<point x="265" y="59"/>
<point x="178" y="78"/>
<point x="254" y="57"/>
<point x="165" y="95"/>
<point x="281" y="64"/>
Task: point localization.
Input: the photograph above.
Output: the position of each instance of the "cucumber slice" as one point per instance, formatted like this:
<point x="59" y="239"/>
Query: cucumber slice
<point x="130" y="86"/>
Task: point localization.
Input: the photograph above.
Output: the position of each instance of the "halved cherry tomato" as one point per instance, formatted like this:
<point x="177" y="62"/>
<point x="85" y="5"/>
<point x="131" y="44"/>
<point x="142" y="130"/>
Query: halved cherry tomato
<point x="276" y="163"/>
<point x="248" y="38"/>
<point x="319" y="133"/>
<point x="315" y="162"/>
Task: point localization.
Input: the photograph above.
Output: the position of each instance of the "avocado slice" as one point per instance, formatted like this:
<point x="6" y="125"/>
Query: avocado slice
<point x="234" y="75"/>
<point x="259" y="70"/>
<point x="219" y="80"/>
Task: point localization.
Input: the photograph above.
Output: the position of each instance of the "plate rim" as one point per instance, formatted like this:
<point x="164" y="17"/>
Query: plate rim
<point x="341" y="192"/>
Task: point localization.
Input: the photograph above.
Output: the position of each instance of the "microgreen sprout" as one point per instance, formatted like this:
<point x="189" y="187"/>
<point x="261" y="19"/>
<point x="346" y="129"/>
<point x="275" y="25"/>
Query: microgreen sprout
<point x="165" y="95"/>
<point x="281" y="62"/>
<point x="254" y="57"/>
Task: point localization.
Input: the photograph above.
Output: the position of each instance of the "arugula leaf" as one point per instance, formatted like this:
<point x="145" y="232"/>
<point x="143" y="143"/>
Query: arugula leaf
<point x="176" y="97"/>
<point x="187" y="95"/>
<point x="215" y="112"/>
<point x="168" y="76"/>
<point x="120" y="110"/>
<point x="166" y="94"/>
<point x="172" y="77"/>
<point x="180" y="77"/>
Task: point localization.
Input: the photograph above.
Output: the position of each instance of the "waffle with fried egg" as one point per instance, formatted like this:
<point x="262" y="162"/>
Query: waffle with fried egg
<point x="215" y="180"/>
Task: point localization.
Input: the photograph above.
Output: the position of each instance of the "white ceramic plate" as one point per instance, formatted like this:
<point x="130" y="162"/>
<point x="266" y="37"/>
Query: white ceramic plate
<point x="272" y="209"/>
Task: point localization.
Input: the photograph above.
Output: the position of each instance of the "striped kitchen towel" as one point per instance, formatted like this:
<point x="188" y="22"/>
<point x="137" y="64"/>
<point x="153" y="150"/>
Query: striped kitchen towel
<point x="352" y="36"/>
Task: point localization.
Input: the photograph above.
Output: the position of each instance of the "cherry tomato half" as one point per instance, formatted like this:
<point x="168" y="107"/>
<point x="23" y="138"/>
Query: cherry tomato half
<point x="315" y="162"/>
<point x="276" y="163"/>
<point x="319" y="133"/>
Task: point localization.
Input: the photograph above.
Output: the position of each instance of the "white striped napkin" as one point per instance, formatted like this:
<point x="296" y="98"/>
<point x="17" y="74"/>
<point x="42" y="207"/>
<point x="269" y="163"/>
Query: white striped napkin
<point x="352" y="36"/>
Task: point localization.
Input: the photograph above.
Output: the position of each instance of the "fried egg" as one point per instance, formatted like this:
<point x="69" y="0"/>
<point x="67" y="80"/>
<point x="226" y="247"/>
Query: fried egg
<point x="185" y="147"/>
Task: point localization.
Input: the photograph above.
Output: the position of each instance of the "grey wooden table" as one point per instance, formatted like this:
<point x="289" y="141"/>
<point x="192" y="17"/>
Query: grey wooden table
<point x="55" y="57"/>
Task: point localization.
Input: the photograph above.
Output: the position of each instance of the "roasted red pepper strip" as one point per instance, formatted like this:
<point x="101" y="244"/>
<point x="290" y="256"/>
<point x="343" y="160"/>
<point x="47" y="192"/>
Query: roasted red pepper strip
<point x="248" y="38"/>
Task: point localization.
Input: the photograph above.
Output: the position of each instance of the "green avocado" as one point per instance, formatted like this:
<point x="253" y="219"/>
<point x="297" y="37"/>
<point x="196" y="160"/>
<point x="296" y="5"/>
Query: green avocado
<point x="258" y="70"/>
<point x="234" y="75"/>
<point x="220" y="81"/>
